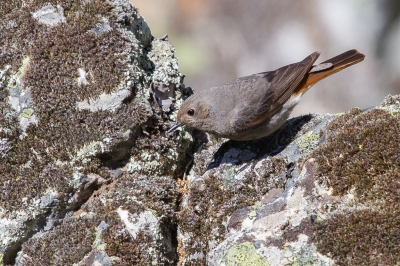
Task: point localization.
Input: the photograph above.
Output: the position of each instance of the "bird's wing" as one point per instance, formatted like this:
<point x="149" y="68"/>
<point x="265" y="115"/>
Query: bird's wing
<point x="267" y="92"/>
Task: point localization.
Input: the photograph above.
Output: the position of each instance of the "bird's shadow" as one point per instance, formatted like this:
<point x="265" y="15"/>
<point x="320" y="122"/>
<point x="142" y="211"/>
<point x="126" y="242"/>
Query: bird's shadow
<point x="271" y="145"/>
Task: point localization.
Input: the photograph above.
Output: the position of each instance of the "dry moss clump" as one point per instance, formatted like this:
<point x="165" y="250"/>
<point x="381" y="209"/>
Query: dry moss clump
<point x="216" y="197"/>
<point x="78" y="237"/>
<point x="361" y="154"/>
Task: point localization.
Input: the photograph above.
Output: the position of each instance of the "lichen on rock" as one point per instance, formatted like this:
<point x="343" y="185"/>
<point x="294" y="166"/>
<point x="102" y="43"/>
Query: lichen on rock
<point x="360" y="163"/>
<point x="330" y="195"/>
<point x="90" y="177"/>
<point x="76" y="109"/>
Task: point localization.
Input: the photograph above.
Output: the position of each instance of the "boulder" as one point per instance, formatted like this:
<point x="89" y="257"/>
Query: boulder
<point x="89" y="175"/>
<point x="86" y="169"/>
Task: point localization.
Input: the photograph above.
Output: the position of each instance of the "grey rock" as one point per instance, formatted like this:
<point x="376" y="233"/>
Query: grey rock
<point x="76" y="117"/>
<point x="90" y="177"/>
<point x="50" y="15"/>
<point x="303" y="198"/>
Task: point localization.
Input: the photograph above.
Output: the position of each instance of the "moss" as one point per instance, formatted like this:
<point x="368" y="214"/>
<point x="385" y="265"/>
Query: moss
<point x="7" y="7"/>
<point x="78" y="237"/>
<point x="362" y="237"/>
<point x="361" y="155"/>
<point x="121" y="245"/>
<point x="99" y="227"/>
<point x="138" y="194"/>
<point x="31" y="182"/>
<point x="211" y="202"/>
<point x="361" y="152"/>
<point x="55" y="54"/>
<point x="48" y="60"/>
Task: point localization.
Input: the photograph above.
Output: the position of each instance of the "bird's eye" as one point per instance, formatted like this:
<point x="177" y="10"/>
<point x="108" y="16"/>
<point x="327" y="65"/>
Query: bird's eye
<point x="191" y="112"/>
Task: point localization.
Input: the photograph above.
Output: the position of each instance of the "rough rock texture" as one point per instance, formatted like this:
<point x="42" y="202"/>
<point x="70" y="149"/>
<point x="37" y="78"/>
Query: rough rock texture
<point x="322" y="191"/>
<point x="86" y="170"/>
<point x="89" y="176"/>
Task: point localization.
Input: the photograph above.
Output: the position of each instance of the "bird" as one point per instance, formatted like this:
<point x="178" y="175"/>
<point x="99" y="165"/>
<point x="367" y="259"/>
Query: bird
<point x="256" y="106"/>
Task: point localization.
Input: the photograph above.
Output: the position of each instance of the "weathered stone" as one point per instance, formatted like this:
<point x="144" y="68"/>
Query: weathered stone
<point x="86" y="169"/>
<point x="324" y="190"/>
<point x="89" y="176"/>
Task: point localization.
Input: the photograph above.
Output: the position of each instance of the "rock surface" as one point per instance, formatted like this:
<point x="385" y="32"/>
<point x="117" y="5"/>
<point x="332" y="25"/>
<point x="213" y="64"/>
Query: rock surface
<point x="89" y="176"/>
<point x="322" y="191"/>
<point x="86" y="170"/>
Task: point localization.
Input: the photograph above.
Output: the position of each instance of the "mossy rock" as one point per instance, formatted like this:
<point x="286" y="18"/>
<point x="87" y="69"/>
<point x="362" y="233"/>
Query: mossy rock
<point x="77" y="115"/>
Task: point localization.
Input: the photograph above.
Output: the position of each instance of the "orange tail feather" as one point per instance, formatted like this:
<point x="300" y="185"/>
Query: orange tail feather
<point x="339" y="63"/>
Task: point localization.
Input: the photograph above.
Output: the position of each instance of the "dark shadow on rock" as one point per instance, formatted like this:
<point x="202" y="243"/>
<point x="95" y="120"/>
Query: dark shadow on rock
<point x="247" y="151"/>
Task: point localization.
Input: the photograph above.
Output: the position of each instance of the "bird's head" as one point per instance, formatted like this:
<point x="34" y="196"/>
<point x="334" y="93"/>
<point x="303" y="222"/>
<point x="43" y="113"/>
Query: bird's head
<point x="194" y="112"/>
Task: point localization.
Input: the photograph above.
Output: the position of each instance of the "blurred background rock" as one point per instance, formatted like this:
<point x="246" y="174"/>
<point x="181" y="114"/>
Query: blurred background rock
<point x="217" y="41"/>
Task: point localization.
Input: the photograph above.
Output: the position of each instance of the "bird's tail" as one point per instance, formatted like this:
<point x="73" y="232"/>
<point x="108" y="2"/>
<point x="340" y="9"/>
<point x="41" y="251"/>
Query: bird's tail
<point x="329" y="67"/>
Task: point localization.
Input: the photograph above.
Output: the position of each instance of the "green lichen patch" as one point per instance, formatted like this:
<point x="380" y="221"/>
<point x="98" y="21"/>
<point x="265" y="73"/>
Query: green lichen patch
<point x="243" y="254"/>
<point x="309" y="141"/>
<point x="211" y="202"/>
<point x="27" y="113"/>
<point x="361" y="156"/>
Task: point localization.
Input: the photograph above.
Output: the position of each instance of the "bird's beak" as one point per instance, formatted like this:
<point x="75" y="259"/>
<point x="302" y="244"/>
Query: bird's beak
<point x="174" y="127"/>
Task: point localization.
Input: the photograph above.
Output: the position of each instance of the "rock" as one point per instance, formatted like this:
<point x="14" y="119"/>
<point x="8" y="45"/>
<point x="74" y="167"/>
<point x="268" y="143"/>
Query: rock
<point x="322" y="191"/>
<point x="90" y="177"/>
<point x="86" y="168"/>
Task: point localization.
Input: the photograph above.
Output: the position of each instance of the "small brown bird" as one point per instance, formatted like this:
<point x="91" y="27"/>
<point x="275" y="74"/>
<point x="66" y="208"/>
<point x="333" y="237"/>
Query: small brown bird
<point x="255" y="106"/>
